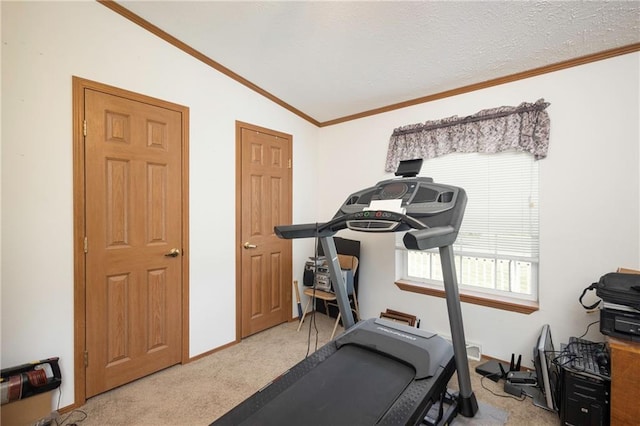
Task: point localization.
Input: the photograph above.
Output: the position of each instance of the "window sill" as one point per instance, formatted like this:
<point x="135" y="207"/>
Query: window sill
<point x="476" y="298"/>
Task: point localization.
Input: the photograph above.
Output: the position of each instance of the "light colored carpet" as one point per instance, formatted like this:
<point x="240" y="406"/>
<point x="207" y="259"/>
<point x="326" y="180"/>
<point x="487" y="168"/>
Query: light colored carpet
<point x="201" y="391"/>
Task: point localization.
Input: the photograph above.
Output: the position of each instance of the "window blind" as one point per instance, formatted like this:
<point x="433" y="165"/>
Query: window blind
<point x="501" y="218"/>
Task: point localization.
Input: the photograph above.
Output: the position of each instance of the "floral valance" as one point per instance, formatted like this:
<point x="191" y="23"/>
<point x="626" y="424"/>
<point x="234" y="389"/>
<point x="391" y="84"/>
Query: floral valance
<point x="522" y="128"/>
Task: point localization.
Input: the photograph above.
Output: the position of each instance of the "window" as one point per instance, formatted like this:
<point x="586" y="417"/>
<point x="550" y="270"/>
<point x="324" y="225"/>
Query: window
<point x="497" y="247"/>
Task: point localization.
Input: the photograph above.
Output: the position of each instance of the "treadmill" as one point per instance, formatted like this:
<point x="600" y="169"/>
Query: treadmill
<point x="377" y="372"/>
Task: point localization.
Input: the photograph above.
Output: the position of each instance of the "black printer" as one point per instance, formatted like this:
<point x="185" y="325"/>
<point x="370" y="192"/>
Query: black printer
<point x="620" y="321"/>
<point x="620" y="311"/>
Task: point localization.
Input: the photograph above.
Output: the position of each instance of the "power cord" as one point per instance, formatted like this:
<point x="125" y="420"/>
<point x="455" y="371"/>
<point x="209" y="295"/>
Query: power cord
<point x="66" y="419"/>
<point x="312" y="323"/>
<point x="587" y="330"/>
<point x="61" y="421"/>
<point x="312" y="320"/>
<point x="567" y="356"/>
<point x="563" y="355"/>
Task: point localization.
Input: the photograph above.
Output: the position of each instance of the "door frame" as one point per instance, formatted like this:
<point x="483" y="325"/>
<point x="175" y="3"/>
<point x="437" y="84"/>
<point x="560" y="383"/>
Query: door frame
<point x="79" y="186"/>
<point x="239" y="126"/>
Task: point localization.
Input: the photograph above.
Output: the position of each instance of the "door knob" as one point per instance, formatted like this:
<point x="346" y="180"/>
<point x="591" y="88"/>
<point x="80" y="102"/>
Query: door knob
<point x="174" y="252"/>
<point x="247" y="245"/>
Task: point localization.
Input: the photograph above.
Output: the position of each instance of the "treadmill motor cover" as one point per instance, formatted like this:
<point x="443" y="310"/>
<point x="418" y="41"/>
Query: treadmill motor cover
<point x="421" y="350"/>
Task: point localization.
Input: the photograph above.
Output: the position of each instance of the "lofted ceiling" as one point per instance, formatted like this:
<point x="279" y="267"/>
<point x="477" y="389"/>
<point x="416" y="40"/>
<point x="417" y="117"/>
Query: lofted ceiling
<point x="331" y="60"/>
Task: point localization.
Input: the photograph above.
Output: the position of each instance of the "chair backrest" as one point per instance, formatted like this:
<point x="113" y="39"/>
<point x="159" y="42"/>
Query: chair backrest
<point x="349" y="262"/>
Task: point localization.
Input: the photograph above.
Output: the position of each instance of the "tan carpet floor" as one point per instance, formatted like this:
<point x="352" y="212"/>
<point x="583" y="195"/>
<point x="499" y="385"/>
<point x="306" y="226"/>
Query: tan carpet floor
<point x="201" y="391"/>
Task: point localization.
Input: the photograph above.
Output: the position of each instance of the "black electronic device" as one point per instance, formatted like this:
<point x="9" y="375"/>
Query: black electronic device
<point x="546" y="370"/>
<point x="522" y="378"/>
<point x="585" y="356"/>
<point x="515" y="365"/>
<point x="399" y="372"/>
<point x="493" y="369"/>
<point x="409" y="168"/>
<point x="29" y="379"/>
<point x="620" y="321"/>
<point x="585" y="399"/>
<point x="585" y="383"/>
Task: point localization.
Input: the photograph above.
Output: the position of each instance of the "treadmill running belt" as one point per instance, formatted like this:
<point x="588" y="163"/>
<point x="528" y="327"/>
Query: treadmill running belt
<point x="354" y="386"/>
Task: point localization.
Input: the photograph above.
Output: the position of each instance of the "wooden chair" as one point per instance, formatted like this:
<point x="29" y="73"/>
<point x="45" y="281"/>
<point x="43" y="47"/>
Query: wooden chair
<point x="330" y="299"/>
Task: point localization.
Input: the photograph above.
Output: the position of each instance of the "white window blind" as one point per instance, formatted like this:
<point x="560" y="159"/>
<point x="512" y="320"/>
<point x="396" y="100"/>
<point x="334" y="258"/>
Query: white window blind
<point x="497" y="246"/>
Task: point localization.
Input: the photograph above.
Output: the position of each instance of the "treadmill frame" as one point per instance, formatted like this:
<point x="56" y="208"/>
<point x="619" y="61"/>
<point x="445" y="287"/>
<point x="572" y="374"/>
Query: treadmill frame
<point x="430" y="231"/>
<point x="468" y="405"/>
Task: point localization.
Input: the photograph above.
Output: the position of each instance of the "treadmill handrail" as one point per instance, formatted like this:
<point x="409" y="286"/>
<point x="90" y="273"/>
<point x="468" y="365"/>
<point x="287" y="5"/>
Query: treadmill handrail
<point x="306" y="230"/>
<point x="424" y="239"/>
<point x="340" y="222"/>
<point x="327" y="229"/>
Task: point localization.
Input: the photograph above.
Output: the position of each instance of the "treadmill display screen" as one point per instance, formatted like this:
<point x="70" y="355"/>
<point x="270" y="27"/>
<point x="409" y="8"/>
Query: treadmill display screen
<point x="393" y="191"/>
<point x="418" y="197"/>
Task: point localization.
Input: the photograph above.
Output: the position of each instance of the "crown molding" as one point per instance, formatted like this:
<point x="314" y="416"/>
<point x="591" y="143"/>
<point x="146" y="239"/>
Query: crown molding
<point x="582" y="60"/>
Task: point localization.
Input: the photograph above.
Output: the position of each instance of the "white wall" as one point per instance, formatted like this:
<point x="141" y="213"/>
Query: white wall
<point x="44" y="44"/>
<point x="594" y="152"/>
<point x="589" y="198"/>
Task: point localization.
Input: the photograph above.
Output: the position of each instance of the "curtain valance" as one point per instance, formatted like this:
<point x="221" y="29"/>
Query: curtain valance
<point x="522" y="128"/>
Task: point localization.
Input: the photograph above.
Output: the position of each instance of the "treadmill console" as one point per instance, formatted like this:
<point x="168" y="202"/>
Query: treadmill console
<point x="432" y="212"/>
<point x="415" y="197"/>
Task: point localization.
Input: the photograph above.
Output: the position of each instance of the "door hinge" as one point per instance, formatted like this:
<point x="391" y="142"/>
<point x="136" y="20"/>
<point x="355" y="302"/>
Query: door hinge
<point x="86" y="358"/>
<point x="289" y="163"/>
<point x="84" y="127"/>
<point x="86" y="245"/>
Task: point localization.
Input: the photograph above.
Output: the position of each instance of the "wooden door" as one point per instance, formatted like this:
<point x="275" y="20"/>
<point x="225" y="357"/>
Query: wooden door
<point x="265" y="259"/>
<point x="133" y="239"/>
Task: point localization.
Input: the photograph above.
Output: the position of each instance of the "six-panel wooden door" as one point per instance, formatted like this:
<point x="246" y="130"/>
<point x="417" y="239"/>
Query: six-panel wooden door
<point x="133" y="246"/>
<point x="266" y="202"/>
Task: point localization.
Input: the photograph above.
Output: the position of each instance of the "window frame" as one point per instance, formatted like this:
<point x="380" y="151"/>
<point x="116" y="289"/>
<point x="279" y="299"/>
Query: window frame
<point x="402" y="259"/>
<point x="496" y="253"/>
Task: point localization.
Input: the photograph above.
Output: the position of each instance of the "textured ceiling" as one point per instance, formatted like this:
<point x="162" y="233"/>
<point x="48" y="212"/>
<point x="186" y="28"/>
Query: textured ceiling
<point x="335" y="59"/>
